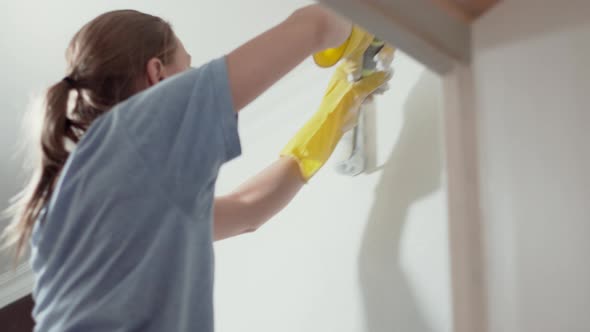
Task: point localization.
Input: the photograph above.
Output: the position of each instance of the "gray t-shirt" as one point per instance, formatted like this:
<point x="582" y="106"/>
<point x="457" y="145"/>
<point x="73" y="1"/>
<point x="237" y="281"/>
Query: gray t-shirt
<point x="125" y="244"/>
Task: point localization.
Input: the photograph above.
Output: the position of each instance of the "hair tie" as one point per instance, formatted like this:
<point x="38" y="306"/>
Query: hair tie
<point x="69" y="80"/>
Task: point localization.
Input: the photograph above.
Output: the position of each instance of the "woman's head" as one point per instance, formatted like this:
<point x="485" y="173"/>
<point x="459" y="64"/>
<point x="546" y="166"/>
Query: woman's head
<point x="120" y="53"/>
<point x="111" y="58"/>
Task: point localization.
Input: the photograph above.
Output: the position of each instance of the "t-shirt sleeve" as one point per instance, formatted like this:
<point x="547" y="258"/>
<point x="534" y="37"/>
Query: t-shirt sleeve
<point x="184" y="128"/>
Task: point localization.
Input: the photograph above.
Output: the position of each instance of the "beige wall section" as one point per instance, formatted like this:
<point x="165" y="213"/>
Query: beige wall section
<point x="466" y="10"/>
<point x="531" y="82"/>
<point x="419" y="27"/>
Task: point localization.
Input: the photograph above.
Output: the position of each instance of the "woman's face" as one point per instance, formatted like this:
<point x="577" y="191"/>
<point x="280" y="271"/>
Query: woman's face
<point x="157" y="71"/>
<point x="181" y="61"/>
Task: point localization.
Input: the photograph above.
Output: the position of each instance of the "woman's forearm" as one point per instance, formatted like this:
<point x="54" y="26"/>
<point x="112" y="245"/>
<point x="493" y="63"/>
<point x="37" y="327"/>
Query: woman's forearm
<point x="257" y="200"/>
<point x="258" y="64"/>
<point x="253" y="68"/>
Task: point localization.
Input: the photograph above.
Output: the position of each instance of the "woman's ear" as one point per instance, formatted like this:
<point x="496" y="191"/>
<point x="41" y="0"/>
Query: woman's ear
<point x="155" y="71"/>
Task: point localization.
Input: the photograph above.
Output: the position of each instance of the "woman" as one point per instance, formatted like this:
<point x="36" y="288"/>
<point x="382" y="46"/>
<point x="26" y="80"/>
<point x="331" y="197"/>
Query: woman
<point x="121" y="215"/>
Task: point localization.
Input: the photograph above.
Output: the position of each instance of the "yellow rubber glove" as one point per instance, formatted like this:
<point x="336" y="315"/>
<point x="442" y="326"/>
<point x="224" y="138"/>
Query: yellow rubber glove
<point x="352" y="49"/>
<point x="314" y="143"/>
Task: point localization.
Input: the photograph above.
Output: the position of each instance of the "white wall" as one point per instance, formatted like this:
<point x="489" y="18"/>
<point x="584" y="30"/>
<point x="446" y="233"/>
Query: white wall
<point x="532" y="81"/>
<point x="349" y="254"/>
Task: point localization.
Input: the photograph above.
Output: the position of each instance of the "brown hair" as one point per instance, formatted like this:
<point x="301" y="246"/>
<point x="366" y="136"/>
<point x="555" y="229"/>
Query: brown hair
<point x="106" y="62"/>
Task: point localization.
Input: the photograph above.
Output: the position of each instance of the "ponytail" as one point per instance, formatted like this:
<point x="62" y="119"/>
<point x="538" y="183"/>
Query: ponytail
<point x="56" y="129"/>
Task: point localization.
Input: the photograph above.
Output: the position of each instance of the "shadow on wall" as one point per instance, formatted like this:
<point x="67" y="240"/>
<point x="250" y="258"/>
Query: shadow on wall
<point x="412" y="171"/>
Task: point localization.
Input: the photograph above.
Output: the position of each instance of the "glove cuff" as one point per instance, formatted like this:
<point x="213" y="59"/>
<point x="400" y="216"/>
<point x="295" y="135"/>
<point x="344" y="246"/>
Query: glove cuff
<point x="358" y="38"/>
